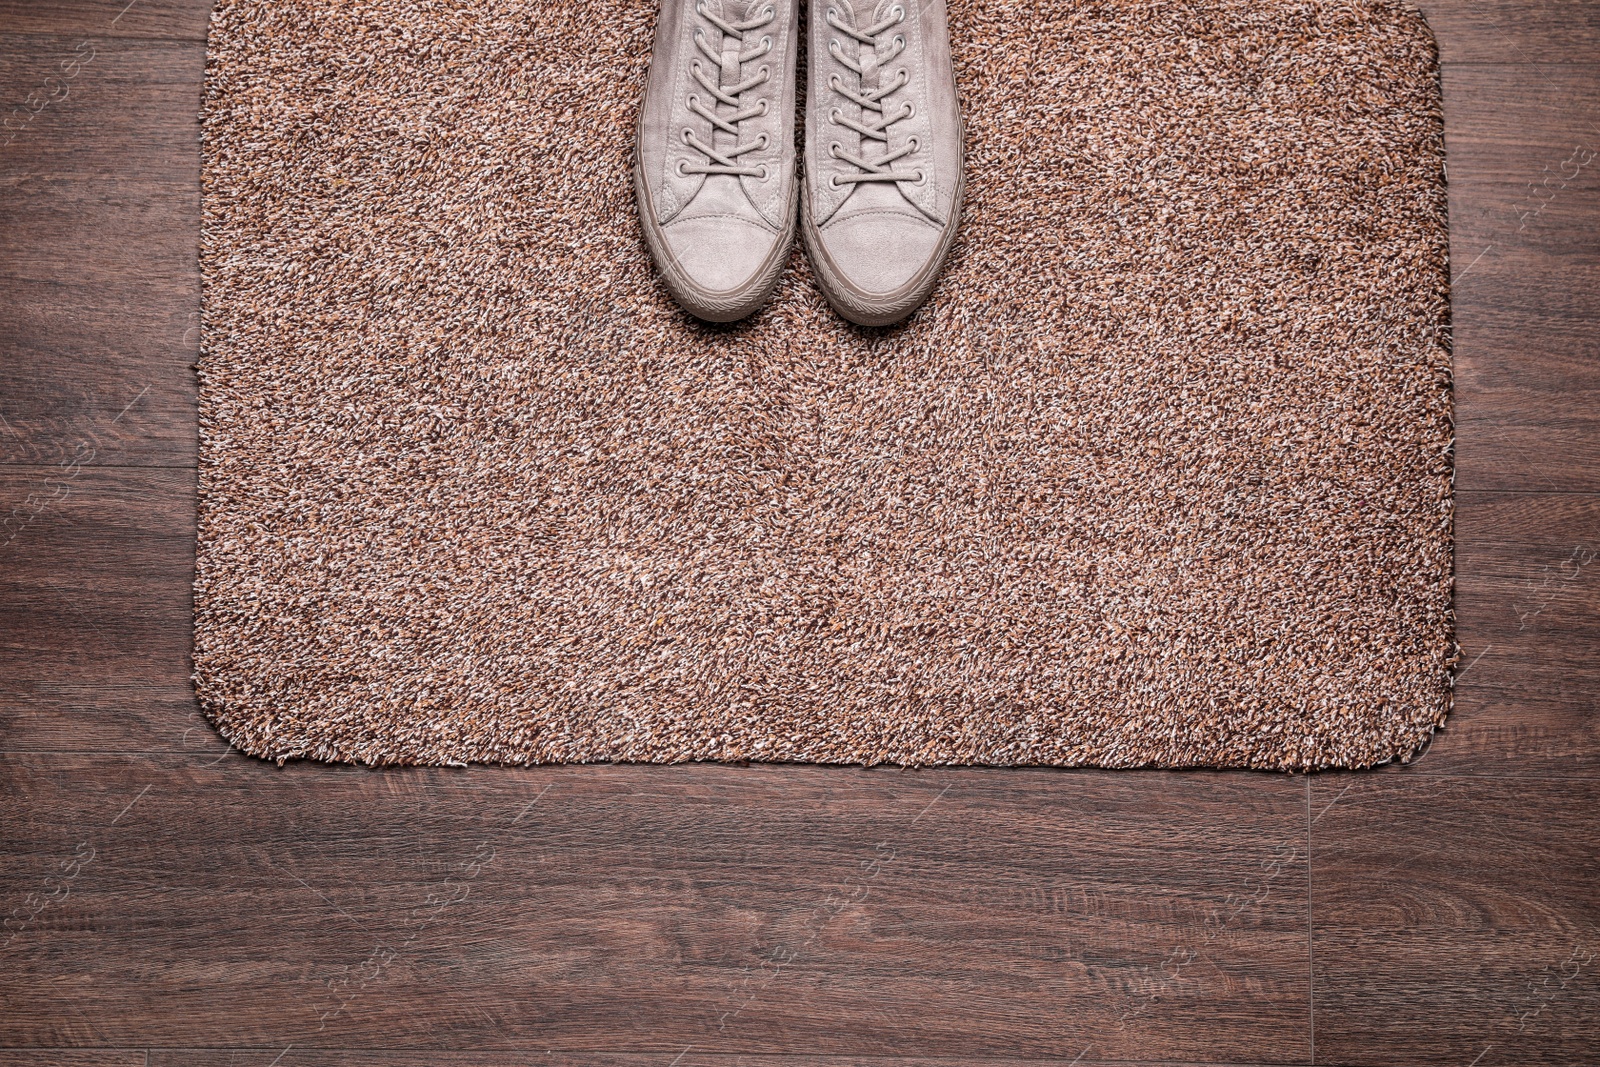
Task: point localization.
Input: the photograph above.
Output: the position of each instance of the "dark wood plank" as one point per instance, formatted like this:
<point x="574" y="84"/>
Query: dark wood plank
<point x="98" y="352"/>
<point x="1527" y="584"/>
<point x="58" y="1057"/>
<point x="1530" y="723"/>
<point x="305" y="1057"/>
<point x="183" y="20"/>
<point x="1029" y="914"/>
<point x="1456" y="920"/>
<point x="1512" y="31"/>
<point x="117" y="110"/>
<point x="1507" y="121"/>
<point x="99" y="239"/>
<point x="52" y="716"/>
<point x="96" y="567"/>
<point x="1524" y="160"/>
<point x="1526" y="327"/>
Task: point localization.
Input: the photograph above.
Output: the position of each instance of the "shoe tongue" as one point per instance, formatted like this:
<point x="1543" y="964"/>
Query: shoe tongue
<point x="723" y="194"/>
<point x="867" y="11"/>
<point x="736" y="10"/>
<point x="876" y="196"/>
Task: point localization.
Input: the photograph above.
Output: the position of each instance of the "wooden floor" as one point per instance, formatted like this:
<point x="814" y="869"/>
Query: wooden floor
<point x="169" y="902"/>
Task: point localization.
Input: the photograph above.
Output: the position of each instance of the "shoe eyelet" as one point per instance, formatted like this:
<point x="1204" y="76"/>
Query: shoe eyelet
<point x="900" y="39"/>
<point x="763" y="110"/>
<point x="834" y="116"/>
<point x="914" y="143"/>
<point x="764" y="173"/>
<point x="911" y="110"/>
<point x="763" y="142"/>
<point x="833" y="181"/>
<point x="688" y="135"/>
<point x="681" y="164"/>
<point x="921" y="177"/>
<point x="901" y="12"/>
<point x="833" y="150"/>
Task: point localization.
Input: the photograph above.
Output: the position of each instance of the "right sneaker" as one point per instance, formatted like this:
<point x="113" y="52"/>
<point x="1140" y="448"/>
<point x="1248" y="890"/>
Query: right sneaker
<point x="714" y="162"/>
<point x="884" y="171"/>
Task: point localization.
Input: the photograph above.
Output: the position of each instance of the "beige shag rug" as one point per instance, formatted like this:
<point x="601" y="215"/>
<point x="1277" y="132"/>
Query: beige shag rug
<point x="1160" y="476"/>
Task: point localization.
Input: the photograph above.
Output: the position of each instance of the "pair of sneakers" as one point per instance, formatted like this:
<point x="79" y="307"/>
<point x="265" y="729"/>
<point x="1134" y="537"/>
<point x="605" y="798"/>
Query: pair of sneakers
<point x="715" y="168"/>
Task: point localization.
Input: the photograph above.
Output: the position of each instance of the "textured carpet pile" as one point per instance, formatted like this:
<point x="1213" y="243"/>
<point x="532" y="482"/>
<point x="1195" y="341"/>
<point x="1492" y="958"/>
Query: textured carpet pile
<point x="1160" y="476"/>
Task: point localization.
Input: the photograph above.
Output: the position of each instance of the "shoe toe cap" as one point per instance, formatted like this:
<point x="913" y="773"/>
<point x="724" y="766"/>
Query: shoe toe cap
<point x="720" y="254"/>
<point x="880" y="252"/>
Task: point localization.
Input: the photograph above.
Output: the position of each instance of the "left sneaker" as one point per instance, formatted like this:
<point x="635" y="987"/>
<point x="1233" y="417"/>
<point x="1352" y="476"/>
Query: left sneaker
<point x="883" y="173"/>
<point x="714" y="167"/>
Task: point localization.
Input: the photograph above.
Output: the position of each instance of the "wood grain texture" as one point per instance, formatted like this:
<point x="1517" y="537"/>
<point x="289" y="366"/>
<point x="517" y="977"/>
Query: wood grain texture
<point x="175" y="20"/>
<point x="1527" y="582"/>
<point x="99" y="238"/>
<point x="1524" y="161"/>
<point x="104" y="327"/>
<point x="1526" y="326"/>
<point x="1507" y="121"/>
<point x="298" y="1057"/>
<point x="60" y="1057"/>
<point x="737" y="910"/>
<point x="1511" y="31"/>
<point x="1454" y="916"/>
<point x="81" y="108"/>
<point x="95" y="568"/>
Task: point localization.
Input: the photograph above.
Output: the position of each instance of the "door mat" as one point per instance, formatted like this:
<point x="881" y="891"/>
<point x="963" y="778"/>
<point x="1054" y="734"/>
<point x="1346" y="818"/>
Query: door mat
<point x="1160" y="476"/>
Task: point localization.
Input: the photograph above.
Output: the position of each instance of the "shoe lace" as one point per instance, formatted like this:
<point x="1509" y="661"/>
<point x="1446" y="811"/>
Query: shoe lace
<point x="726" y="160"/>
<point x="870" y="99"/>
